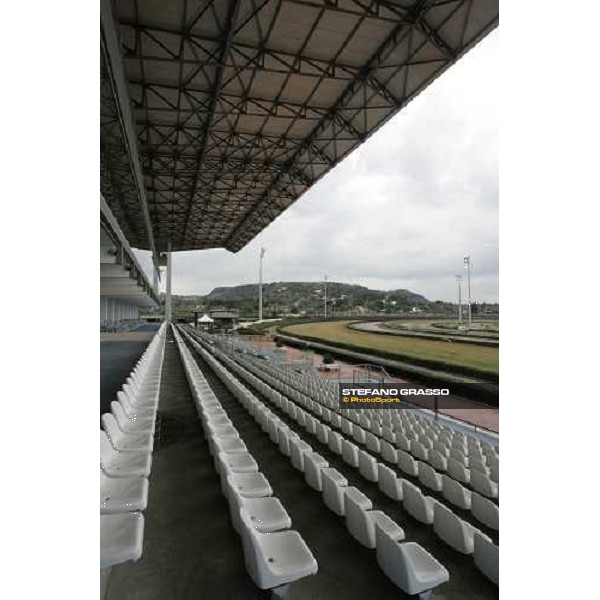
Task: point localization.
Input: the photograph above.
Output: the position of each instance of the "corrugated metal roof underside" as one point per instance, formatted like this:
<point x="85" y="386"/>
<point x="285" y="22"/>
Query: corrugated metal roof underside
<point x="241" y="106"/>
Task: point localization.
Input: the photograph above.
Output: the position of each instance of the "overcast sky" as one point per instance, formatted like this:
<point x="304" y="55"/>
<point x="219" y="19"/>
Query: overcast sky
<point x="400" y="212"/>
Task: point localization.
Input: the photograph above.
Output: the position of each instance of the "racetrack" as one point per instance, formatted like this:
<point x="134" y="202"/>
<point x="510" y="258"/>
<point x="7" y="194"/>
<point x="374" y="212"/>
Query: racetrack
<point x="479" y="358"/>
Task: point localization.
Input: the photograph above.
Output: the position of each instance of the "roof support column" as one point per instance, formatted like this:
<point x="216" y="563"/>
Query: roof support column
<point x="168" y="299"/>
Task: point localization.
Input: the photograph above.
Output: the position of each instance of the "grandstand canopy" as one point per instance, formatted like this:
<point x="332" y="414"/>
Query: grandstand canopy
<point x="216" y="115"/>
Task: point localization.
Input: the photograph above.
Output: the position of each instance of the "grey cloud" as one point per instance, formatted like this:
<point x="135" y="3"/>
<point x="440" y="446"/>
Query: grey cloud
<point x="400" y="212"/>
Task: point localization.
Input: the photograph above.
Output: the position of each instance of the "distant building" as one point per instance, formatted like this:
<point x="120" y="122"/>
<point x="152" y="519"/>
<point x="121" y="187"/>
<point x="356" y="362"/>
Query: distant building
<point x="224" y="319"/>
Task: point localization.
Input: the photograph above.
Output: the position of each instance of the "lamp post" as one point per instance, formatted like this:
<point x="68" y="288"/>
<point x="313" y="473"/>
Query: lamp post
<point x="468" y="267"/>
<point x="459" y="282"/>
<point x="325" y="279"/>
<point x="260" y="285"/>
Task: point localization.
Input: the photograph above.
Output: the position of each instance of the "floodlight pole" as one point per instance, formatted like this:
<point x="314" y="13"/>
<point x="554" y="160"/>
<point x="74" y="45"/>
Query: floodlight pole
<point x="325" y="278"/>
<point x="168" y="299"/>
<point x="468" y="267"/>
<point x="459" y="282"/>
<point x="260" y="284"/>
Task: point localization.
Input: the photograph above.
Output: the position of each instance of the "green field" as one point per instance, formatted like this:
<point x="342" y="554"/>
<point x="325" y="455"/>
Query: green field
<point x="466" y="355"/>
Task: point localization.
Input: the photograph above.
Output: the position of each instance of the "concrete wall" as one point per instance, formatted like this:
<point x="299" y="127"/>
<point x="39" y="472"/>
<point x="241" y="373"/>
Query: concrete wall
<point x="113" y="310"/>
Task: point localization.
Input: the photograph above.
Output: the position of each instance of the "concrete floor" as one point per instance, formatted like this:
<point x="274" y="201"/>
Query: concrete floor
<point x="192" y="552"/>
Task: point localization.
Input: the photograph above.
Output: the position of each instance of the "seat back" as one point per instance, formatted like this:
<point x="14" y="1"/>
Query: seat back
<point x="456" y="493"/>
<point x="457" y="471"/>
<point x="388" y="482"/>
<point x="106" y="449"/>
<point x="334" y="487"/>
<point x="417" y="505"/>
<point x="367" y="466"/>
<point x="313" y="465"/>
<point x="358" y="523"/>
<point x="438" y="460"/>
<point x="388" y="452"/>
<point x="483" y="484"/>
<point x="391" y="558"/>
<point x="452" y="530"/>
<point x="112" y="428"/>
<point x="253" y="557"/>
<point x="429" y="477"/>
<point x="350" y="453"/>
<point x="486" y="556"/>
<point x="407" y="463"/>
<point x="485" y="511"/>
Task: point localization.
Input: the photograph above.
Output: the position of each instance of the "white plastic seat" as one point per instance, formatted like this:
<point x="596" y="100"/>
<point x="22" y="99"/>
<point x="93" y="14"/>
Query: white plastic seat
<point x="298" y="451"/>
<point x="495" y="474"/>
<point x="238" y="462"/>
<point x="274" y="560"/>
<point x="139" y="399"/>
<point x="267" y="514"/>
<point x="419" y="451"/>
<point x="122" y="495"/>
<point x="285" y="437"/>
<point x="429" y="477"/>
<point x="227" y="445"/>
<point x="350" y="453"/>
<point x="388" y="452"/>
<point x="388" y="434"/>
<point x="301" y="417"/>
<point x="323" y="433"/>
<point x="475" y="463"/>
<point x="367" y="466"/>
<point x="458" y="471"/>
<point x="373" y="443"/>
<point x="359" y="434"/>
<point x="133" y="425"/>
<point x="250" y="485"/>
<point x="334" y="488"/>
<point x="135" y="412"/>
<point x="123" y="464"/>
<point x="407" y="463"/>
<point x="311" y="425"/>
<point x="456" y="493"/>
<point x="438" y="461"/>
<point x="483" y="484"/>
<point x="485" y="511"/>
<point x="418" y="506"/>
<point x="335" y="442"/>
<point x="121" y="538"/>
<point x="457" y="533"/>
<point x="389" y="483"/>
<point x="409" y="566"/>
<point x="361" y="519"/>
<point x="459" y="456"/>
<point x="313" y="466"/>
<point x="126" y="442"/>
<point x="403" y="442"/>
<point x="347" y="426"/>
<point x="486" y="556"/>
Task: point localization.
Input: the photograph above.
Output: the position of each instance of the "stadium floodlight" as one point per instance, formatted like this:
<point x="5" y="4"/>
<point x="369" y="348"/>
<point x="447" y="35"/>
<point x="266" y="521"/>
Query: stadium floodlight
<point x="459" y="282"/>
<point x="260" y="284"/>
<point x="468" y="267"/>
<point x="325" y="279"/>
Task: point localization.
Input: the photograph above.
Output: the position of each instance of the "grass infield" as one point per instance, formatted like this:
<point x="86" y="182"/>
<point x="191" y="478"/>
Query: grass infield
<point x="475" y="357"/>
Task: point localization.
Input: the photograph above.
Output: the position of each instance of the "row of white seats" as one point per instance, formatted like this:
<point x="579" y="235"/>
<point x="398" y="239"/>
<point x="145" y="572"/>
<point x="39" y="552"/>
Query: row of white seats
<point x="457" y="533"/>
<point x="327" y="389"/>
<point x="126" y="445"/>
<point x="447" y="450"/>
<point x="275" y="556"/>
<point x="407" y="564"/>
<point x="412" y="425"/>
<point x="482" y="508"/>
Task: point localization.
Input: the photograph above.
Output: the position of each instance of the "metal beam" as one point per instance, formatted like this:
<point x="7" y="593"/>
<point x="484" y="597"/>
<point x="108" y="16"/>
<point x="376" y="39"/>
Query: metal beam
<point x="110" y="47"/>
